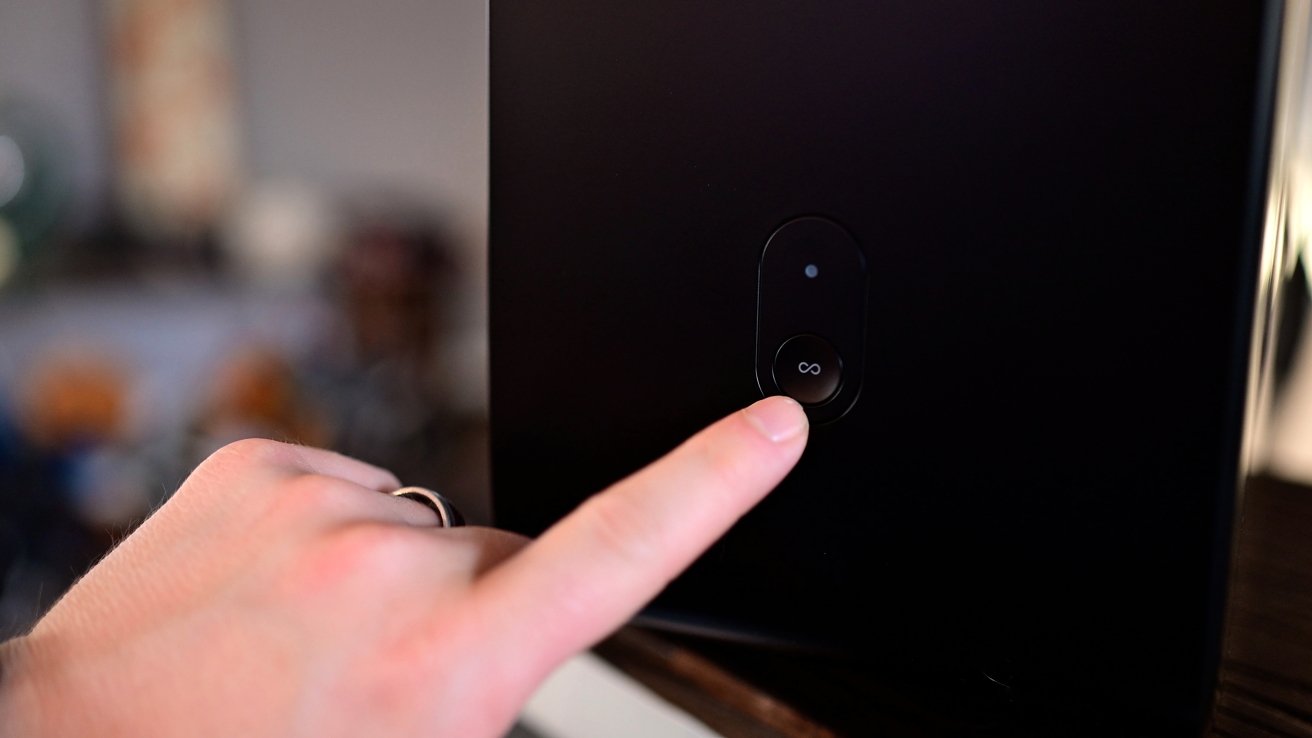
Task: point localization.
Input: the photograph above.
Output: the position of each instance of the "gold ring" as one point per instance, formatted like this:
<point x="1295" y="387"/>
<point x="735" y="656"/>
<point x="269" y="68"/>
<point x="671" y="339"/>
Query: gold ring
<point x="447" y="514"/>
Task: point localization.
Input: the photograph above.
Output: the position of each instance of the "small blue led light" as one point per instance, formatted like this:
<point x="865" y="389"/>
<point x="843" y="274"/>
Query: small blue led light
<point x="811" y="270"/>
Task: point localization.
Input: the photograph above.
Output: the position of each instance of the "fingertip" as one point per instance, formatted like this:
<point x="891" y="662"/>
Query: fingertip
<point x="780" y="419"/>
<point x="592" y="570"/>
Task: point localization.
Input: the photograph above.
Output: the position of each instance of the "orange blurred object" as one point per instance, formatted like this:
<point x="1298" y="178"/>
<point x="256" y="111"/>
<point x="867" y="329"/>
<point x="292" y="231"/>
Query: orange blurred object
<point x="74" y="396"/>
<point x="255" y="393"/>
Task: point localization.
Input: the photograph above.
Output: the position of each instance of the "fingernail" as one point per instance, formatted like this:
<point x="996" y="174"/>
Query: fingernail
<point x="777" y="418"/>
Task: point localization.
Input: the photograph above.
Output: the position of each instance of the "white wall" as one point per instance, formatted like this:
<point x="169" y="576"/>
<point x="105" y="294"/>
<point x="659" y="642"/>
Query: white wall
<point x="387" y="94"/>
<point x="352" y="95"/>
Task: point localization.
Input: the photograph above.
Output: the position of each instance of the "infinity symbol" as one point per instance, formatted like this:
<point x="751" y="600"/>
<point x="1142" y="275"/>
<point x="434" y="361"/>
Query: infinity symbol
<point x="806" y="368"/>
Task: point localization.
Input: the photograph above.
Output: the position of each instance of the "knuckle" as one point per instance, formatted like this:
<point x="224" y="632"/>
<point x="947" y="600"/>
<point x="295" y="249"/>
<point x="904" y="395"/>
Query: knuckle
<point x="729" y="477"/>
<point x="376" y="547"/>
<point x="246" y="450"/>
<point x="618" y="527"/>
<point x="370" y="551"/>
<point x="231" y="468"/>
<point x="309" y="496"/>
<point x="728" y="472"/>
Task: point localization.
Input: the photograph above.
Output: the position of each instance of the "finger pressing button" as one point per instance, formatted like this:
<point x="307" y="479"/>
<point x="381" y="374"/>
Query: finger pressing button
<point x="808" y="369"/>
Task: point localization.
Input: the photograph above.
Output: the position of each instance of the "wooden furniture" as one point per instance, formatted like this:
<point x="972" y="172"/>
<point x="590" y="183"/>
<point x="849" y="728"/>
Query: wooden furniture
<point x="1265" y="687"/>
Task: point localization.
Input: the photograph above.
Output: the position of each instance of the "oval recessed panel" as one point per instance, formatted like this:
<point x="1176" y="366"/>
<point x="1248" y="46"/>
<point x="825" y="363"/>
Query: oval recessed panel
<point x="812" y="283"/>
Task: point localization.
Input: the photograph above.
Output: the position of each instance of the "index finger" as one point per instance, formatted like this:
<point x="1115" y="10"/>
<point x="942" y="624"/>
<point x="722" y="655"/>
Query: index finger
<point x="593" y="570"/>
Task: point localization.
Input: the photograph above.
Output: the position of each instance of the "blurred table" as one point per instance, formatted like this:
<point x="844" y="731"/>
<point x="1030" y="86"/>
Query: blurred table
<point x="1264" y="688"/>
<point x="1266" y="676"/>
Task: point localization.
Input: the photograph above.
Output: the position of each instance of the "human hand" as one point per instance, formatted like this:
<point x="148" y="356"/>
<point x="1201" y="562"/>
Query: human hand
<point x="279" y="593"/>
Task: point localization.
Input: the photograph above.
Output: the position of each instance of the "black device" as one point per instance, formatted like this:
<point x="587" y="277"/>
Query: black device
<point x="1009" y="255"/>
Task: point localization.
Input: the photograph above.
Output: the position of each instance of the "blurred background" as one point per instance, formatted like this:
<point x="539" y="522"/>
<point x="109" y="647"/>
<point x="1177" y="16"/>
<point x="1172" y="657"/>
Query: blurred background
<point x="231" y="218"/>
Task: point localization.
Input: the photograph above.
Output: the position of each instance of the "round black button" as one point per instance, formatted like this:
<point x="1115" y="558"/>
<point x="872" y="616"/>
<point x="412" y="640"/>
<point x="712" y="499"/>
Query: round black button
<point x="808" y="369"/>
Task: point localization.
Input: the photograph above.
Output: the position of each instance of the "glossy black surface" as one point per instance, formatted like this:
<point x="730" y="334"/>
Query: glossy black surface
<point x="1055" y="204"/>
<point x="808" y="369"/>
